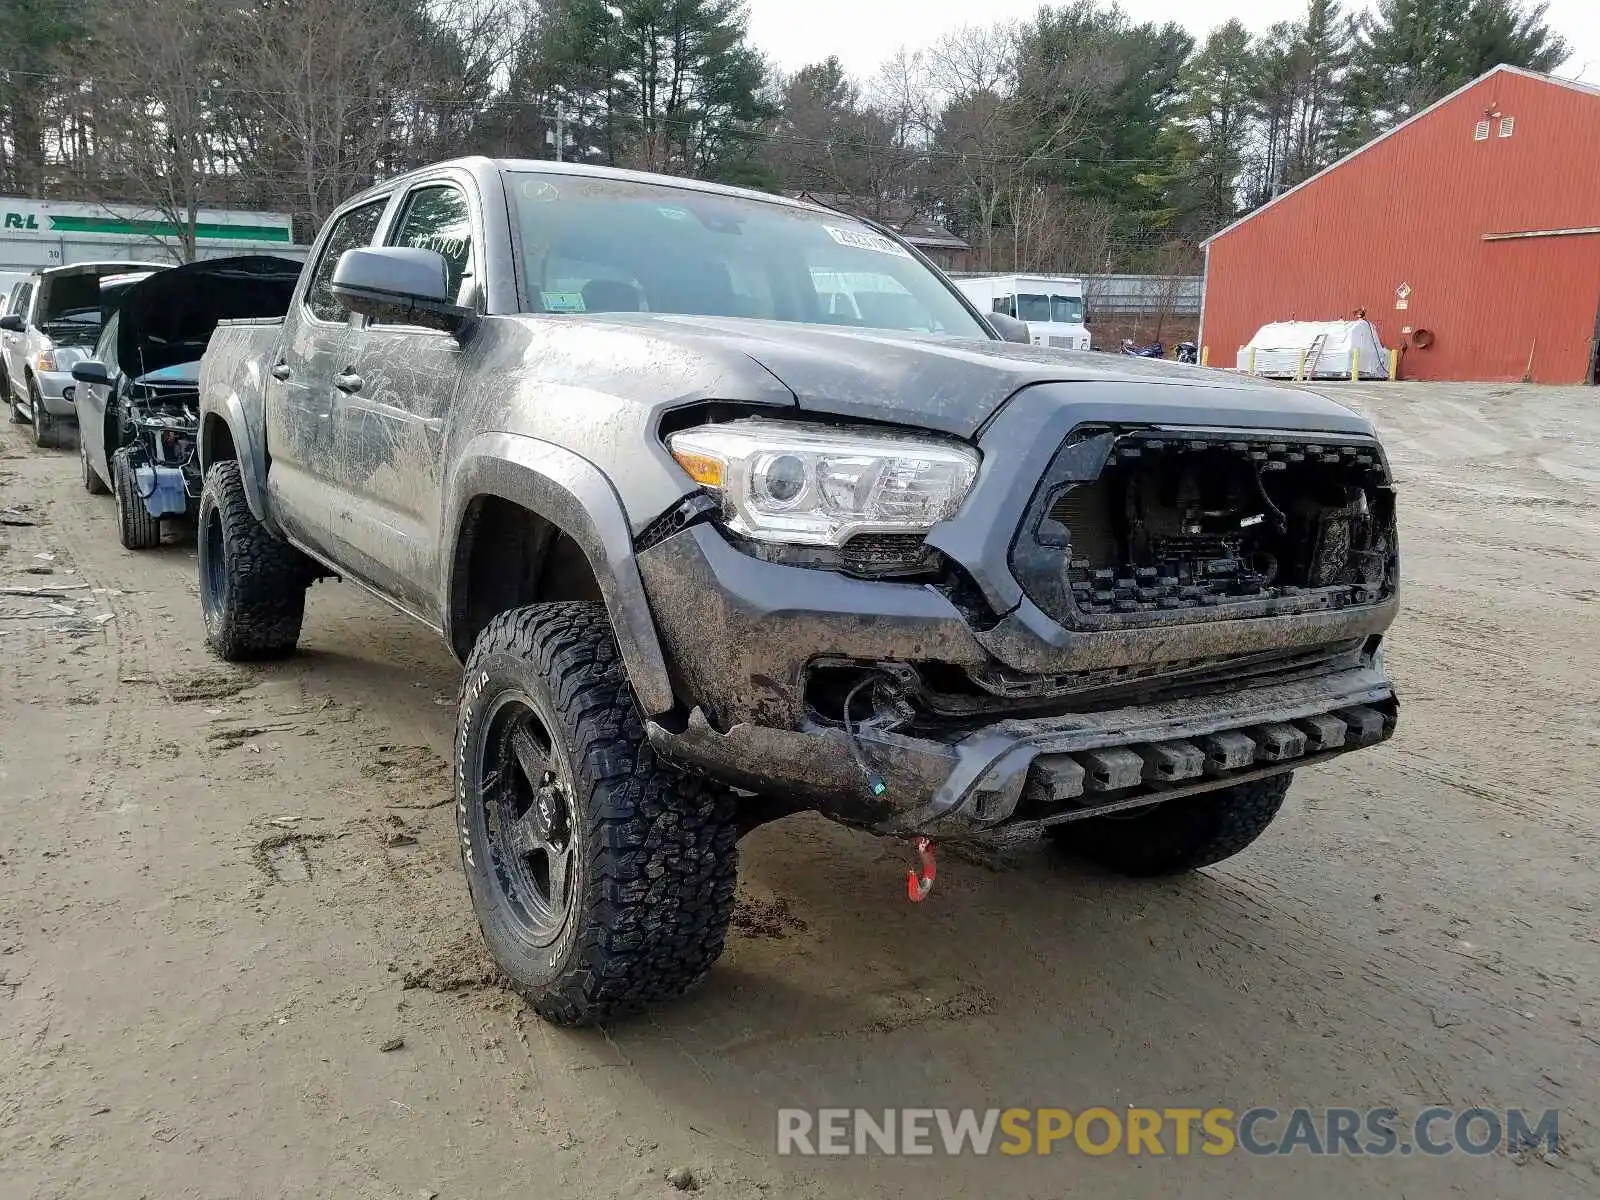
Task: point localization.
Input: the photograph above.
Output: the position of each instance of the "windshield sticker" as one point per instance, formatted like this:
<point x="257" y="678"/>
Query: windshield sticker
<point x="673" y="214"/>
<point x="563" y="302"/>
<point x="541" y="191"/>
<point x="864" y="239"/>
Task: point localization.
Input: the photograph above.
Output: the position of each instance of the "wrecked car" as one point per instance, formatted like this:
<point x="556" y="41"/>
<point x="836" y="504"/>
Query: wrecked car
<point x="715" y="547"/>
<point x="137" y="397"/>
<point x="53" y="318"/>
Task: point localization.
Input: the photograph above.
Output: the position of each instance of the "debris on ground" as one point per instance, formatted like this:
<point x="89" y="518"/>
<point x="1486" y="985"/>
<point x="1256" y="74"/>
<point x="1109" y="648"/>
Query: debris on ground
<point x="462" y="966"/>
<point x="757" y="918"/>
<point x="683" y="1179"/>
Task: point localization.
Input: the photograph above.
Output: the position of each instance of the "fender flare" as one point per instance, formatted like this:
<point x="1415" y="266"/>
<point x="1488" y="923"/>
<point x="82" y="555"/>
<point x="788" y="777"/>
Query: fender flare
<point x="248" y="448"/>
<point x="573" y="494"/>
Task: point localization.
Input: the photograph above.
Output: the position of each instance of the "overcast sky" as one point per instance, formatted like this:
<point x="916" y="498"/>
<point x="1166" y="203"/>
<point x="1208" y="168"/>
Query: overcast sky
<point x="865" y="32"/>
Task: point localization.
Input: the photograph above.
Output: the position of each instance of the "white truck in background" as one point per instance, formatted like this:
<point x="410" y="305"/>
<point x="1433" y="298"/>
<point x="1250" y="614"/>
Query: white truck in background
<point x="1052" y="306"/>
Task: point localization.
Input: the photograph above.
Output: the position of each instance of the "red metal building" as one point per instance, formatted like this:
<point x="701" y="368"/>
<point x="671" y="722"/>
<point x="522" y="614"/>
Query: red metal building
<point x="1469" y="234"/>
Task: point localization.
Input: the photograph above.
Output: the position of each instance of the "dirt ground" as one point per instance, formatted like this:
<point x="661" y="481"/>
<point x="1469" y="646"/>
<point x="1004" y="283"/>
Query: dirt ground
<point x="237" y="956"/>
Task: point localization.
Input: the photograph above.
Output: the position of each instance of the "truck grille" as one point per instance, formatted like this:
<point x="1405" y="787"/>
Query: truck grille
<point x="1192" y="525"/>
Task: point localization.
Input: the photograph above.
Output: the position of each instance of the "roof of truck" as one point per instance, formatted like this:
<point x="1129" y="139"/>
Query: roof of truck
<point x="542" y="166"/>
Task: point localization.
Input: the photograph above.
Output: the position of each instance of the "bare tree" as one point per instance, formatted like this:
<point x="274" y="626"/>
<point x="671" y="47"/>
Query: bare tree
<point x="327" y="80"/>
<point x="159" y="76"/>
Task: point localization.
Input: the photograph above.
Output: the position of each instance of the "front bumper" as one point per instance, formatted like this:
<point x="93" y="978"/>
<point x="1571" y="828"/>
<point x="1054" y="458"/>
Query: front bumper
<point x="57" y="389"/>
<point x="741" y="636"/>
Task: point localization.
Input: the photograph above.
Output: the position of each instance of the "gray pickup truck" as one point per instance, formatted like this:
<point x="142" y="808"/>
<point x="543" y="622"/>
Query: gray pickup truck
<point x="715" y="548"/>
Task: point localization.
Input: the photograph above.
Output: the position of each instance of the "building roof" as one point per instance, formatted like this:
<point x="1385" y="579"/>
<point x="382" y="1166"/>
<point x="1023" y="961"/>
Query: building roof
<point x="1553" y="80"/>
<point x="899" y="215"/>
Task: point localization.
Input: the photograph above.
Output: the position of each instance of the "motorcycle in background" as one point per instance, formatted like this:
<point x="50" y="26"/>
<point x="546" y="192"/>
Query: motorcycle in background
<point x="1184" y="352"/>
<point x="1153" y="350"/>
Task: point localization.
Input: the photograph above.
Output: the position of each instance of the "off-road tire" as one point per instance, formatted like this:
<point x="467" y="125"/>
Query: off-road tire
<point x="252" y="584"/>
<point x="46" y="428"/>
<point x="654" y="849"/>
<point x="136" y="528"/>
<point x="92" y="483"/>
<point x="1180" y="835"/>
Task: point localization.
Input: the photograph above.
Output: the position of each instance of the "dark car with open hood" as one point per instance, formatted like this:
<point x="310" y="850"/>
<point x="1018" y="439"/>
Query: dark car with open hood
<point x="733" y="506"/>
<point x="138" y="397"/>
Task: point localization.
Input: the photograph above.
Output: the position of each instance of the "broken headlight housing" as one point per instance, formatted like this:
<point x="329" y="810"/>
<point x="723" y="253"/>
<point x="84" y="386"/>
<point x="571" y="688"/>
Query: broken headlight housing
<point x="815" y="485"/>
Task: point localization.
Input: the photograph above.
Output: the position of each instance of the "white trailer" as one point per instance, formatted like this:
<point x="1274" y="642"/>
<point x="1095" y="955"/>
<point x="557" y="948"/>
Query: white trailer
<point x="1052" y="305"/>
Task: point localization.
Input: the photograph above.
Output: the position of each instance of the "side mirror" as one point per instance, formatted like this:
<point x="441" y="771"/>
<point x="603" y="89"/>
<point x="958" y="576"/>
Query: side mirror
<point x="1010" y="329"/>
<point x="13" y="323"/>
<point x="91" y="371"/>
<point x="1086" y="319"/>
<point x="400" y="285"/>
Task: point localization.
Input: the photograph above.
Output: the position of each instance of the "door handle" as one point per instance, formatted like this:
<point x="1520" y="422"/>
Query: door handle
<point x="348" y="382"/>
<point x="281" y="370"/>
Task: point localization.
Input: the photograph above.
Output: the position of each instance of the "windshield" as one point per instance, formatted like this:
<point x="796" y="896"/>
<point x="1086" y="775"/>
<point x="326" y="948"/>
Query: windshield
<point x="614" y="245"/>
<point x="1067" y="310"/>
<point x="1033" y="309"/>
<point x="1046" y="310"/>
<point x="82" y="318"/>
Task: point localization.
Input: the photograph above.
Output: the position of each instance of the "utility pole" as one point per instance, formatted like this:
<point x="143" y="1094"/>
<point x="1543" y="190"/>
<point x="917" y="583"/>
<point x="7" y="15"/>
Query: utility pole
<point x="561" y="131"/>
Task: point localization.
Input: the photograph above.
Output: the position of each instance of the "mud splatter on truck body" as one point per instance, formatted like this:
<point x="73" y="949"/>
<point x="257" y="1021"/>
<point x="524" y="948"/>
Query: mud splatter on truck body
<point x="912" y="575"/>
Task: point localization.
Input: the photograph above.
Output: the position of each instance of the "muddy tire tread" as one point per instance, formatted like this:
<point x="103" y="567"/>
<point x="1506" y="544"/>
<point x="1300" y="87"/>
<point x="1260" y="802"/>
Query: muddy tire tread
<point x="136" y="528"/>
<point x="46" y="429"/>
<point x="266" y="577"/>
<point x="661" y="845"/>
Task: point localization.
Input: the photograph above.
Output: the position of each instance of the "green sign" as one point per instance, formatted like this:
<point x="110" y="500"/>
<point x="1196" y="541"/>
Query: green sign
<point x="82" y="218"/>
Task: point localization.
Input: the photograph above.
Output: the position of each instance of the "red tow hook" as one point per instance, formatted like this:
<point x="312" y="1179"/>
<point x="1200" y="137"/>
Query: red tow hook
<point x="918" y="886"/>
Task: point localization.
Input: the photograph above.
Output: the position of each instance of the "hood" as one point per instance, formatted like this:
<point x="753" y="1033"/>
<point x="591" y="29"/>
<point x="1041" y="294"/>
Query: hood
<point x="956" y="385"/>
<point x="168" y="318"/>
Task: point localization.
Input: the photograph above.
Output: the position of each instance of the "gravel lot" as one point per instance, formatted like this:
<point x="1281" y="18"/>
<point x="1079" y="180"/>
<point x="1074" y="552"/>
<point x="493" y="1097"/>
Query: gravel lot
<point x="237" y="957"/>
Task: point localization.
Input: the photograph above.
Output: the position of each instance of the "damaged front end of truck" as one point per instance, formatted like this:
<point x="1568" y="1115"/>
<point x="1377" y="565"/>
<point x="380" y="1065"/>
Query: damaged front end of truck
<point x="1123" y="612"/>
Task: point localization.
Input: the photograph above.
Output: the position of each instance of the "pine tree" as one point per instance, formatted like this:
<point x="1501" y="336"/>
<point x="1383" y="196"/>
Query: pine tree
<point x="1214" y="122"/>
<point x="1410" y="53"/>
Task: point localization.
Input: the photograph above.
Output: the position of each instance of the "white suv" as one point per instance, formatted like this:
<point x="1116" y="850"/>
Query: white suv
<point x="52" y="319"/>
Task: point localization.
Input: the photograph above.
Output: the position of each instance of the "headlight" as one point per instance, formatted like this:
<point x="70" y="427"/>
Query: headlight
<point x="814" y="486"/>
<point x="47" y="360"/>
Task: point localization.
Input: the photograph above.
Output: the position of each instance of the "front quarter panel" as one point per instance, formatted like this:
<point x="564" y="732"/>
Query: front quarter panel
<point x="560" y="416"/>
<point x="572" y="493"/>
<point x="600" y="389"/>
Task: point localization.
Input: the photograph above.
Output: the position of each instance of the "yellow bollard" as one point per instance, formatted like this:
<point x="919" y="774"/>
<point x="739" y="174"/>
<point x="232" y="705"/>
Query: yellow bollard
<point x="1355" y="364"/>
<point x="1252" y="367"/>
<point x="1394" y="365"/>
<point x="1205" y="356"/>
<point x="1300" y="369"/>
